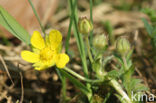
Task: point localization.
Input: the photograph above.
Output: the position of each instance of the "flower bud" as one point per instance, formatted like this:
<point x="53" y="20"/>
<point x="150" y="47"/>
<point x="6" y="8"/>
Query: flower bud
<point x="123" y="46"/>
<point x="84" y="25"/>
<point x="100" y="42"/>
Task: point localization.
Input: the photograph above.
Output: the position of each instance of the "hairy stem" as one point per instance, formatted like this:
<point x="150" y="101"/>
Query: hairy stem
<point x="119" y="89"/>
<point x="81" y="77"/>
<point x="88" y="50"/>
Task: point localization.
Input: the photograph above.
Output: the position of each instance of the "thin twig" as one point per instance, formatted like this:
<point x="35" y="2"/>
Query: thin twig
<point x="22" y="88"/>
<point x="6" y="68"/>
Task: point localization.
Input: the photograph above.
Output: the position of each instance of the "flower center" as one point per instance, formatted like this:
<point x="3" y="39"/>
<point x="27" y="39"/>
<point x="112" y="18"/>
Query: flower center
<point x="46" y="54"/>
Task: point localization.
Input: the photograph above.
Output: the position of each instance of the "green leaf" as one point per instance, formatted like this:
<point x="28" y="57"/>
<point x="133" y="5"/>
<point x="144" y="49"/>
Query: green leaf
<point x="9" y="23"/>
<point x="107" y="97"/>
<point x="151" y="13"/>
<point x="128" y="56"/>
<point x="148" y="27"/>
<point x="140" y="87"/>
<point x="96" y="65"/>
<point x="77" y="83"/>
<point x="122" y="100"/>
<point x="113" y="74"/>
<point x="135" y="82"/>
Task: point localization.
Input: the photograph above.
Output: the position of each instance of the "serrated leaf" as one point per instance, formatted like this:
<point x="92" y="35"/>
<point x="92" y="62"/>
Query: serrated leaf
<point x="130" y="71"/>
<point x="128" y="56"/>
<point x="113" y="74"/>
<point x="140" y="87"/>
<point x="9" y="23"/>
<point x="119" y="59"/>
<point x="135" y="82"/>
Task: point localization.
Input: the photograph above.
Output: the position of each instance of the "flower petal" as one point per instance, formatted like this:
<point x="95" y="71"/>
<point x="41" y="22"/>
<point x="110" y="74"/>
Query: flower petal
<point x="62" y="60"/>
<point x="55" y="38"/>
<point x="40" y="68"/>
<point x="37" y="40"/>
<point x="43" y="65"/>
<point x="30" y="56"/>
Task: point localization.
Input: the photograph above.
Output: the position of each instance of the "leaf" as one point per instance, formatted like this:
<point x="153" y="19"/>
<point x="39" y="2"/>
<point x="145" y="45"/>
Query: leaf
<point x="151" y="13"/>
<point x="96" y="65"/>
<point x="135" y="82"/>
<point x="119" y="59"/>
<point x="128" y="56"/>
<point x="9" y="23"/>
<point x="148" y="27"/>
<point x="122" y="100"/>
<point x="140" y="87"/>
<point x="113" y="74"/>
<point x="107" y="97"/>
<point x="77" y="83"/>
<point x="130" y="71"/>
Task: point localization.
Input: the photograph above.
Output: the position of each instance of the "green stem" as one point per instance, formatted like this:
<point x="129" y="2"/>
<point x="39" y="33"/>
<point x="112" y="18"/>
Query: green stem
<point x="79" y="38"/>
<point x="70" y="25"/>
<point x="38" y="19"/>
<point x="64" y="85"/>
<point x="83" y="55"/>
<point x="68" y="35"/>
<point x="91" y="18"/>
<point x="91" y="10"/>
<point x="125" y="63"/>
<point x="88" y="49"/>
<point x="107" y="59"/>
<point x="127" y="76"/>
<point x="119" y="89"/>
<point x="81" y="77"/>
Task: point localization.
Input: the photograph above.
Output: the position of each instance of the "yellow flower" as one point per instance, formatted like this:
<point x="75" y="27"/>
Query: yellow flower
<point x="46" y="53"/>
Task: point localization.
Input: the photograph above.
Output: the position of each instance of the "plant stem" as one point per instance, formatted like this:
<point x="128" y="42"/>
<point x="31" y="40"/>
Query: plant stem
<point x="64" y="85"/>
<point x="78" y="37"/>
<point x="125" y="63"/>
<point x="118" y="88"/>
<point x="107" y="59"/>
<point x="127" y="76"/>
<point x="64" y="88"/>
<point x="38" y="19"/>
<point x="70" y="26"/>
<point x="91" y="18"/>
<point x="88" y="49"/>
<point x="83" y="55"/>
<point x="81" y="77"/>
<point x="68" y="35"/>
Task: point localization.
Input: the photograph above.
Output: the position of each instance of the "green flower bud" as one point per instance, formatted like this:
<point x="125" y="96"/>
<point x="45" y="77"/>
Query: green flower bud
<point x="85" y="26"/>
<point x="123" y="46"/>
<point x="100" y="42"/>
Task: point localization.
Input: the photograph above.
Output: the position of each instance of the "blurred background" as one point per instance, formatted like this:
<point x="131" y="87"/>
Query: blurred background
<point x="118" y="17"/>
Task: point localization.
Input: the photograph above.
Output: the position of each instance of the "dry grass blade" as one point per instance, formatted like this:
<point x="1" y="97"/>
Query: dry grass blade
<point x="22" y="88"/>
<point x="6" y="68"/>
